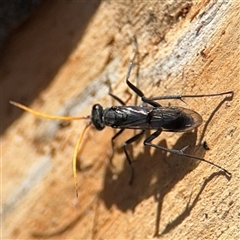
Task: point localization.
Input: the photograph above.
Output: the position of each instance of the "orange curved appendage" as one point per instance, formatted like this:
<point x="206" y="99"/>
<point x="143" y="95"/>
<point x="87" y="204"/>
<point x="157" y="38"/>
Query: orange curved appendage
<point x="64" y="118"/>
<point x="74" y="162"/>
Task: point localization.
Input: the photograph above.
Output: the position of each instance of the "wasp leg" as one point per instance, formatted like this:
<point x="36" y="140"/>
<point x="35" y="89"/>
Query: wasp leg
<point x="128" y="142"/>
<point x="117" y="99"/>
<point x="134" y="88"/>
<point x="147" y="142"/>
<point x="180" y="97"/>
<point x="112" y="143"/>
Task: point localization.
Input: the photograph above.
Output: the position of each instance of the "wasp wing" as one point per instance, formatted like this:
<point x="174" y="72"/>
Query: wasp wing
<point x="176" y="119"/>
<point x="171" y="119"/>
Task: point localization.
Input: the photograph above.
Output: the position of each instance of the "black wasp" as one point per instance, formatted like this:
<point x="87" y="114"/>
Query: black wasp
<point x="150" y="115"/>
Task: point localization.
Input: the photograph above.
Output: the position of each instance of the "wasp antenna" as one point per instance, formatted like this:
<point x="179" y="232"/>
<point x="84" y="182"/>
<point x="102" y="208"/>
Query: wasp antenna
<point x="64" y="118"/>
<point x="74" y="162"/>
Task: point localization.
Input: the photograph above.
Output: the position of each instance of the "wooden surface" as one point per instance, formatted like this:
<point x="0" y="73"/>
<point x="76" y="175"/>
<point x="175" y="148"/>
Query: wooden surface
<point x="62" y="61"/>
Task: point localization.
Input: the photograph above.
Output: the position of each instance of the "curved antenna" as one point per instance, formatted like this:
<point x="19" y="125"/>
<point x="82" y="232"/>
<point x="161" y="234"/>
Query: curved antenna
<point x="74" y="162"/>
<point x="64" y="118"/>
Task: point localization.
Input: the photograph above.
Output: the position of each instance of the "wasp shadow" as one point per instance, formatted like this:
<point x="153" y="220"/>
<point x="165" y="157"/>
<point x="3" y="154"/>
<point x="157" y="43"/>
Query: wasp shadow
<point x="227" y="98"/>
<point x="186" y="212"/>
<point x="155" y="175"/>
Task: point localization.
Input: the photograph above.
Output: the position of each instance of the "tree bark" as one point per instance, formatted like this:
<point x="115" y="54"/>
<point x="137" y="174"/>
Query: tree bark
<point x="64" y="59"/>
